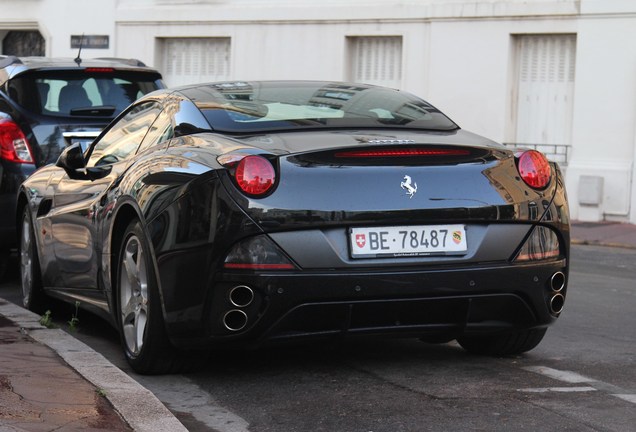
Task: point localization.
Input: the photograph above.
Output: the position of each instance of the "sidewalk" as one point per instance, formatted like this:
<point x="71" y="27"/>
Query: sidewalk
<point x="604" y="234"/>
<point x="55" y="397"/>
<point x="50" y="381"/>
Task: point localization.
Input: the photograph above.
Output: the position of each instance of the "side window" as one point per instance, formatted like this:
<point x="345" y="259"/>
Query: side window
<point x="125" y="136"/>
<point x="161" y="130"/>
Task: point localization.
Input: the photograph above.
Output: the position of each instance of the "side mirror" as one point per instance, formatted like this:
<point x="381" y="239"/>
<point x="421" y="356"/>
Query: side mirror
<point x="72" y="161"/>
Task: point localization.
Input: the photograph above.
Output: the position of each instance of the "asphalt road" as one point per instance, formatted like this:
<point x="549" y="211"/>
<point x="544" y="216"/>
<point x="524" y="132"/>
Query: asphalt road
<point x="582" y="377"/>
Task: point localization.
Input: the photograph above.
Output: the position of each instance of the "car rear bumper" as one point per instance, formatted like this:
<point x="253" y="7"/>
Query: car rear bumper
<point x="11" y="177"/>
<point x="8" y="235"/>
<point x="453" y="301"/>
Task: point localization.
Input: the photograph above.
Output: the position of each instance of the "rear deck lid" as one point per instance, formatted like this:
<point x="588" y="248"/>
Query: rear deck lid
<point x="406" y="179"/>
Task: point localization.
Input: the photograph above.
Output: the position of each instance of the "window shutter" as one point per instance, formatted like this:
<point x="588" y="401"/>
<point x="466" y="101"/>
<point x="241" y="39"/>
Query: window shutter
<point x="376" y="60"/>
<point x="194" y="60"/>
<point x="545" y="88"/>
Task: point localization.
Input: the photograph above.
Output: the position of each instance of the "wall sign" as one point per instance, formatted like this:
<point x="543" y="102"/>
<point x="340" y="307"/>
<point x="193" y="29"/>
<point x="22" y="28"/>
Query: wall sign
<point x="90" y="41"/>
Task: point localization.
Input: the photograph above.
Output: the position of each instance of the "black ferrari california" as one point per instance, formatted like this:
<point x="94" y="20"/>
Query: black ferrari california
<point x="245" y="213"/>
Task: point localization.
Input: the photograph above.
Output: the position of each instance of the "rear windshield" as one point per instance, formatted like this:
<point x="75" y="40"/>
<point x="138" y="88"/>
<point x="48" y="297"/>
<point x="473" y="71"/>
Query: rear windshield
<point x="102" y="92"/>
<point x="268" y="106"/>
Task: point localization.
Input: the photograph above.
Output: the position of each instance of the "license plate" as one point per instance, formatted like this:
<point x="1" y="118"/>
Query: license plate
<point x="407" y="241"/>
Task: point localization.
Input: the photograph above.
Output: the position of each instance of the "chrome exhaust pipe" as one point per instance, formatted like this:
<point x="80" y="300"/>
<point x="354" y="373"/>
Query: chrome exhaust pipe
<point x="241" y="296"/>
<point x="557" y="282"/>
<point x="556" y="303"/>
<point x="235" y="320"/>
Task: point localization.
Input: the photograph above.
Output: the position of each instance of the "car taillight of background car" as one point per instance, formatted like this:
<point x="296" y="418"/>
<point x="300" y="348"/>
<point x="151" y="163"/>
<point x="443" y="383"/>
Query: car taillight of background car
<point x="13" y="144"/>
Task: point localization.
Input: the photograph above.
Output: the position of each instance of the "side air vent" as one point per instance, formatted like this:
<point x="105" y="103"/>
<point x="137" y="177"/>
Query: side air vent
<point x="45" y="207"/>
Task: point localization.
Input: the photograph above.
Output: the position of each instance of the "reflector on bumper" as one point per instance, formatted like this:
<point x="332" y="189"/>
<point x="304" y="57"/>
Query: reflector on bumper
<point x="542" y="244"/>
<point x="257" y="253"/>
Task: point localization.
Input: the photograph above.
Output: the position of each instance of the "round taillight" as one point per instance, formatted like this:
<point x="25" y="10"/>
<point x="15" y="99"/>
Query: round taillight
<point x="255" y="175"/>
<point x="534" y="169"/>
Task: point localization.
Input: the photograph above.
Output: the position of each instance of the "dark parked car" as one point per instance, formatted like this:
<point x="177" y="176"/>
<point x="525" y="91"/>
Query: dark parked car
<point x="241" y="213"/>
<point x="47" y="104"/>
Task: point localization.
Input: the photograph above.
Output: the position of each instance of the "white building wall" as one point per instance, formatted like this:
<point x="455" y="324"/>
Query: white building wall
<point x="605" y="112"/>
<point x="469" y="66"/>
<point x="57" y="20"/>
<point x="304" y="50"/>
<point x="458" y="54"/>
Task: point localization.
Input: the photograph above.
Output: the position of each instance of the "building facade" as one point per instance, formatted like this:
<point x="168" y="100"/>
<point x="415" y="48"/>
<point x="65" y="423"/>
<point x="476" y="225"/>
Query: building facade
<point x="557" y="75"/>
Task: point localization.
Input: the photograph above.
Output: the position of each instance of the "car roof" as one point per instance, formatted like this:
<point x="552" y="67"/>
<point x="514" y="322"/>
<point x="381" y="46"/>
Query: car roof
<point x="11" y="66"/>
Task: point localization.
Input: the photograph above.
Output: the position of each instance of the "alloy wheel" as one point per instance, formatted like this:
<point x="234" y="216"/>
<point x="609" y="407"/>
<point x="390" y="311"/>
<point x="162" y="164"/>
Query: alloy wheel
<point x="26" y="261"/>
<point x="133" y="294"/>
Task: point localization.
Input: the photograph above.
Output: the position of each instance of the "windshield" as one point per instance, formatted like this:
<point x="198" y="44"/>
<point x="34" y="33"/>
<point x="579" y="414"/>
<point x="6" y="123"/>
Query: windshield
<point x="84" y="92"/>
<point x="269" y="106"/>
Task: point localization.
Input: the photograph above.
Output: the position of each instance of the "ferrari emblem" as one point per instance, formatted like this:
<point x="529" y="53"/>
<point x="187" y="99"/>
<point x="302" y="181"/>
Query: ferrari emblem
<point x="361" y="240"/>
<point x="410" y="188"/>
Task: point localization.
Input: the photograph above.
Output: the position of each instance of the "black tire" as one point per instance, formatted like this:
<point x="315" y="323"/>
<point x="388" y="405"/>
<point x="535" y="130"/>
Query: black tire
<point x="437" y="339"/>
<point x="502" y="345"/>
<point x="4" y="263"/>
<point x="139" y="313"/>
<point x="30" y="276"/>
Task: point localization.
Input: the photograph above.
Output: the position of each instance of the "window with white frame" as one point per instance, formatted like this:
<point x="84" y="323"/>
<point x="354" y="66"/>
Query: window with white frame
<point x="545" y="70"/>
<point x="195" y="60"/>
<point x="376" y="60"/>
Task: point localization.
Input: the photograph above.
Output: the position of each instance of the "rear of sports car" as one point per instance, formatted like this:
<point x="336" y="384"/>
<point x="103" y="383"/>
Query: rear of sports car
<point x="361" y="211"/>
<point x="438" y="236"/>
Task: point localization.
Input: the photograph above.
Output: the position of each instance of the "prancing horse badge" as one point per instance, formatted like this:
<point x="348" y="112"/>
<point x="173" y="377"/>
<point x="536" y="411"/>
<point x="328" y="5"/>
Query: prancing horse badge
<point x="409" y="186"/>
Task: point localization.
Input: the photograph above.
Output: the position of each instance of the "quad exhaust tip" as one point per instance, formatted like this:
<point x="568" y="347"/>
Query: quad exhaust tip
<point x="556" y="303"/>
<point x="241" y="296"/>
<point x="557" y="282"/>
<point x="235" y="320"/>
<point x="557" y="300"/>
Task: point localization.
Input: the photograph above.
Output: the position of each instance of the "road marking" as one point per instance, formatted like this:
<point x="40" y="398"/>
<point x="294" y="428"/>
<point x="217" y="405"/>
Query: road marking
<point x="626" y="397"/>
<point x="565" y="376"/>
<point x="558" y="389"/>
<point x="574" y="378"/>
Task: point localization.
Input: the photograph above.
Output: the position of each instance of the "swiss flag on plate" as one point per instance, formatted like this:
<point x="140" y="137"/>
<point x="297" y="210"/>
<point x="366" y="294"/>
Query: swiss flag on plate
<point x="361" y="240"/>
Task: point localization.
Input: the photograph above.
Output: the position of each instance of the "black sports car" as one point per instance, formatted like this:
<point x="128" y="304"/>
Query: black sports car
<point x="243" y="213"/>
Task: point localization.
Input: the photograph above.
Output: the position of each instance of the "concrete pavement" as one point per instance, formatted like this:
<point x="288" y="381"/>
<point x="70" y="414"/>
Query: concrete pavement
<point x="39" y="392"/>
<point x="50" y="381"/>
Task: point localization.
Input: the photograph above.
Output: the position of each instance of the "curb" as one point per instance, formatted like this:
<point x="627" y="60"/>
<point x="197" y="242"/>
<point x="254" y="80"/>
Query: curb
<point x="134" y="403"/>
<point x="576" y="241"/>
<point x="606" y="233"/>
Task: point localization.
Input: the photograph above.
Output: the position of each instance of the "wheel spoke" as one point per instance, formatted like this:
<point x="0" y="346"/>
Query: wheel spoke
<point x="134" y="328"/>
<point x="130" y="337"/>
<point x="128" y="311"/>
<point x="142" y="274"/>
<point x="130" y="265"/>
<point x="140" y="328"/>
